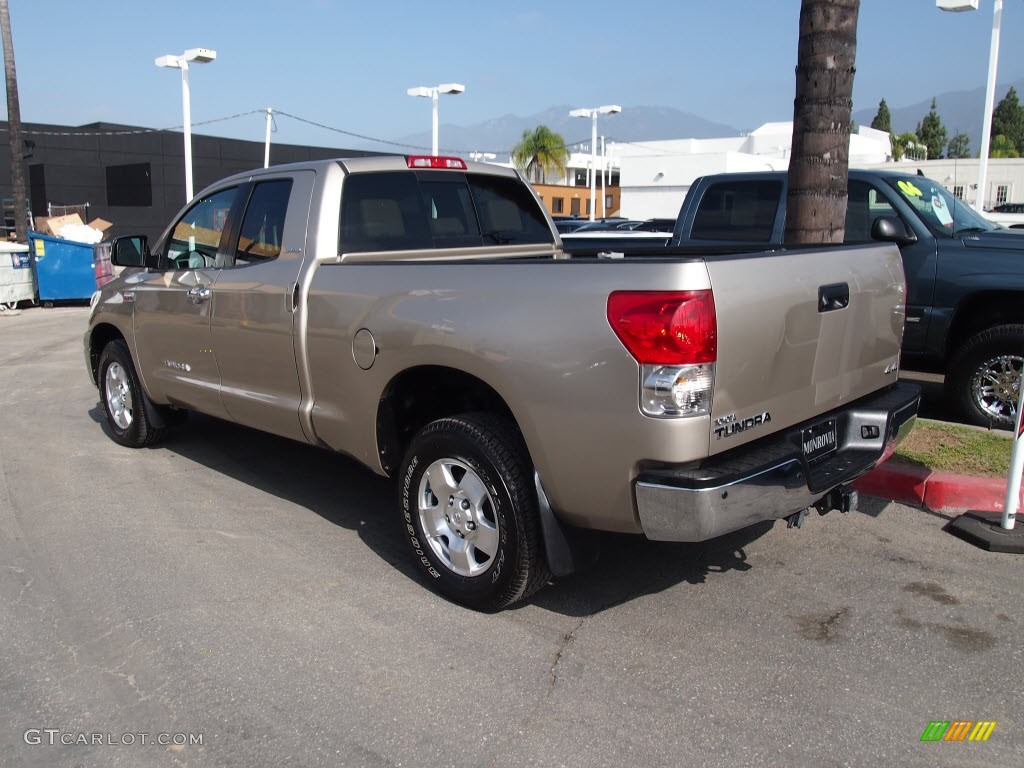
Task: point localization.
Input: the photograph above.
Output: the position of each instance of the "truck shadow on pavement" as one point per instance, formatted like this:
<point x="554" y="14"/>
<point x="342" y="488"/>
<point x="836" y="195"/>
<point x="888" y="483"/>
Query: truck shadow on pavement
<point x="346" y="494"/>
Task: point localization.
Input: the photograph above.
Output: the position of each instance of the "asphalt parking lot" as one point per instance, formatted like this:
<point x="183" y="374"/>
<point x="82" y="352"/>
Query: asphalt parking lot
<point x="253" y="594"/>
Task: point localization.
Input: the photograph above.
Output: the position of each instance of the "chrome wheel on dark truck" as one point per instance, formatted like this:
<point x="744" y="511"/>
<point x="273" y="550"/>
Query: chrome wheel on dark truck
<point x="469" y="510"/>
<point x="984" y="377"/>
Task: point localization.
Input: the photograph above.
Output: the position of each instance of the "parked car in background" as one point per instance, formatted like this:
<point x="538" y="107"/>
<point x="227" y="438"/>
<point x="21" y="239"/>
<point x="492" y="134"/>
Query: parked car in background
<point x="1010" y="215"/>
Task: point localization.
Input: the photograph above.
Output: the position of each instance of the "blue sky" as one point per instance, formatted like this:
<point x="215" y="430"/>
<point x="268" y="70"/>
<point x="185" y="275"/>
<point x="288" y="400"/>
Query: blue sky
<point x="348" y="64"/>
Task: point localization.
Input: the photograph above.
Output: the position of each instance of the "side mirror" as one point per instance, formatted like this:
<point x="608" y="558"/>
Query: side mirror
<point x="130" y="251"/>
<point x="891" y="230"/>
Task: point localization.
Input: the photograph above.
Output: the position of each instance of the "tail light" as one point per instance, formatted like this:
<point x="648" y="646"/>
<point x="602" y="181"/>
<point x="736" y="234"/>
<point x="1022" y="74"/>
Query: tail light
<point x="674" y="337"/>
<point x="434" y="161"/>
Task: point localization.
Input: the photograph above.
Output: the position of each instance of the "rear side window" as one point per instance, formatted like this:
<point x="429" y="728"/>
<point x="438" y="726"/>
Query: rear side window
<point x="742" y="211"/>
<point x="383" y="212"/>
<point x="392" y="211"/>
<point x="263" y="223"/>
<point x="509" y="214"/>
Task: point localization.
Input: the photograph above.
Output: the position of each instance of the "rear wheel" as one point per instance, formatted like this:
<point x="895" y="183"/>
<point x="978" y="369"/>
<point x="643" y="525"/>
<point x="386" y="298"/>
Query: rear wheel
<point x="124" y="401"/>
<point x="469" y="511"/>
<point x="984" y="377"/>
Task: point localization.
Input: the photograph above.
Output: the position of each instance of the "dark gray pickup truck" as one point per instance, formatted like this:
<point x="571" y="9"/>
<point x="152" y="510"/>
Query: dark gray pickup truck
<point x="965" y="275"/>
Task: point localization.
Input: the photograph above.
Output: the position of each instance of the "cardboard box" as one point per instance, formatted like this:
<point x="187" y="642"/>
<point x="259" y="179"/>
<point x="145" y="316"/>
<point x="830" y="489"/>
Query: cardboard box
<point x="54" y="224"/>
<point x="101" y="224"/>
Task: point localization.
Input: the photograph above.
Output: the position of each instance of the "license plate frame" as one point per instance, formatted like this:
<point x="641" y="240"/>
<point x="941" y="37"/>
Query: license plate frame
<point x="819" y="441"/>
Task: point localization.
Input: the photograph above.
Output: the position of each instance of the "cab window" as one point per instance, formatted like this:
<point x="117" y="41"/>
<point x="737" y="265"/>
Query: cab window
<point x="195" y="238"/>
<point x="865" y="203"/>
<point x="742" y="211"/>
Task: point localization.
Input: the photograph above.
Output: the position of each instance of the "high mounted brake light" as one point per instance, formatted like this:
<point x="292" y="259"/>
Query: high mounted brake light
<point x="433" y="161"/>
<point x="674" y="337"/>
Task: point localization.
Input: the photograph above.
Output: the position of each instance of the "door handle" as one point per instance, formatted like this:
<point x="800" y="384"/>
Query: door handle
<point x="199" y="294"/>
<point x="833" y="297"/>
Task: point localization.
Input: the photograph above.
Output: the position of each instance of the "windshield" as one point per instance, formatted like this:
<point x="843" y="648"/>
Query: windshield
<point x="944" y="214"/>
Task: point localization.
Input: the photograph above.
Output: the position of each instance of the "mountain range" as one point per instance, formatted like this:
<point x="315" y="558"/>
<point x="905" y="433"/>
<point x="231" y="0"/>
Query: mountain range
<point x="960" y="111"/>
<point x="500" y="134"/>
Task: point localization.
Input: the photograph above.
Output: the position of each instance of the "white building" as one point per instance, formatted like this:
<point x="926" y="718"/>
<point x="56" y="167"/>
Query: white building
<point x="655" y="175"/>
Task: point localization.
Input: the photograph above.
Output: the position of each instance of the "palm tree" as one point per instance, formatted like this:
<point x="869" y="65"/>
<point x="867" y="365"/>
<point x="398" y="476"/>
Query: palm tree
<point x="540" y="152"/>
<point x="18" y="191"/>
<point x="819" y="164"/>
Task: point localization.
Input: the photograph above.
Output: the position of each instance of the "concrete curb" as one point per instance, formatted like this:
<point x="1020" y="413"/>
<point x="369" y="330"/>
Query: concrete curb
<point x="938" y="491"/>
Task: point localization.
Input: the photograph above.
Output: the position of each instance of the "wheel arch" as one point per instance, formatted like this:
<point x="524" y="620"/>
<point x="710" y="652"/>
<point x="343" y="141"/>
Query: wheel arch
<point x="417" y="396"/>
<point x="101" y="335"/>
<point x="982" y="310"/>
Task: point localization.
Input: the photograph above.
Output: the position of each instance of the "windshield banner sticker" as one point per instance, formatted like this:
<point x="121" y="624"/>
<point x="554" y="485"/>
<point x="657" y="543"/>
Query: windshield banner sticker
<point x="910" y="189"/>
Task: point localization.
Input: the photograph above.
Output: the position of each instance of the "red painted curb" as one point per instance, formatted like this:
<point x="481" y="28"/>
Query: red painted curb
<point x="984" y="494"/>
<point x="896" y="482"/>
<point x="936" y="490"/>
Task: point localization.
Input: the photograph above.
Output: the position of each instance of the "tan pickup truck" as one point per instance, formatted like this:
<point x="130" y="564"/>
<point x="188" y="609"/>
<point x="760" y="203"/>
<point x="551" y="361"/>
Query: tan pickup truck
<point x="419" y="315"/>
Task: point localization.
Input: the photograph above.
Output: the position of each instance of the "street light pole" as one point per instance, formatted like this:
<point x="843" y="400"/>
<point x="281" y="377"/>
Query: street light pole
<point x="266" y="143"/>
<point x="990" y="99"/>
<point x="200" y="56"/>
<point x="990" y="87"/>
<point x="608" y="109"/>
<point x="432" y="92"/>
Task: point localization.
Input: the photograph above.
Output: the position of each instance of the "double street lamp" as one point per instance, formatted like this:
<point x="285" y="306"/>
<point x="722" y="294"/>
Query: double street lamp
<point x="608" y="109"/>
<point x="198" y="56"/>
<point x="431" y="92"/>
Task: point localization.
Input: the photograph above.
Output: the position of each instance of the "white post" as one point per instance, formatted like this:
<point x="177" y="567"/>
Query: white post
<point x="990" y="97"/>
<point x="266" y="148"/>
<point x="593" y="162"/>
<point x="187" y="109"/>
<point x="434" y="141"/>
<point x="604" y="180"/>
<point x="1016" y="464"/>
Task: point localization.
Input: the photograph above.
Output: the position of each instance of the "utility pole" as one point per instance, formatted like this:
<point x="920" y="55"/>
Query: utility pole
<point x="18" y="189"/>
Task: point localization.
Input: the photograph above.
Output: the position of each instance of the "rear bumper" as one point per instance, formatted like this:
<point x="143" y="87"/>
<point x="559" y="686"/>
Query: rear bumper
<point x="770" y="479"/>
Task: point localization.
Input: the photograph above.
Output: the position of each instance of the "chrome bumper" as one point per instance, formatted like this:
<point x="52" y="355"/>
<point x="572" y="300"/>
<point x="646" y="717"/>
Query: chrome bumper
<point x="770" y="479"/>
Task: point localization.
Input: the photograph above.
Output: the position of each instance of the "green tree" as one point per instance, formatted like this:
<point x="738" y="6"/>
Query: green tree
<point x="540" y="152"/>
<point x="1008" y="120"/>
<point x="819" y="166"/>
<point x="906" y="145"/>
<point x="883" y="120"/>
<point x="932" y="133"/>
<point x="1001" y="146"/>
<point x="959" y="146"/>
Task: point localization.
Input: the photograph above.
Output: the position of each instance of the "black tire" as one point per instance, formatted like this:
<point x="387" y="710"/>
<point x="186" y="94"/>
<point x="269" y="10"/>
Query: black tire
<point x="124" y="401"/>
<point x="983" y="377"/>
<point x="492" y="505"/>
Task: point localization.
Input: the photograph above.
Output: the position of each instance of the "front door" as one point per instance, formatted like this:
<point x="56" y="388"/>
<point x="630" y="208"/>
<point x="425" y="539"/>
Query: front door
<point x="173" y="309"/>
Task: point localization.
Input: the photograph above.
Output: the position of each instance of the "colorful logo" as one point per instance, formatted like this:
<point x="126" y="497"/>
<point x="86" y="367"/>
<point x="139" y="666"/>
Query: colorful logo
<point x="958" y="730"/>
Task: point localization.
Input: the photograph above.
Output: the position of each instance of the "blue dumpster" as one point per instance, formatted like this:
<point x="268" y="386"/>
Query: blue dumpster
<point x="64" y="268"/>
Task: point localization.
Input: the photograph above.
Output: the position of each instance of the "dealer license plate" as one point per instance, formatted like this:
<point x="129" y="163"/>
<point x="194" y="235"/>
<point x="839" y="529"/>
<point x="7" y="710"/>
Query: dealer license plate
<point x="819" y="441"/>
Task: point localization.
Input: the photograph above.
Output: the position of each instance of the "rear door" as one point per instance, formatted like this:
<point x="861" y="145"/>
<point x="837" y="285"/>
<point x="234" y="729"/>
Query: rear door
<point x="801" y="332"/>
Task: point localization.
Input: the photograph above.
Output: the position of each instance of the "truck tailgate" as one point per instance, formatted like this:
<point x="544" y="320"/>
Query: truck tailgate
<point x="801" y="332"/>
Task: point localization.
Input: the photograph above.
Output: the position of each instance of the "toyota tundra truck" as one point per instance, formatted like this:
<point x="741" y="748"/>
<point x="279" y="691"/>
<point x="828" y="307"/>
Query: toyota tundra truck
<point x="420" y="315"/>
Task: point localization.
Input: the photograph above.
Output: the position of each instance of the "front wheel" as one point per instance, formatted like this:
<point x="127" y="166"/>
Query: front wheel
<point x="124" y="401"/>
<point x="469" y="511"/>
<point x="984" y="377"/>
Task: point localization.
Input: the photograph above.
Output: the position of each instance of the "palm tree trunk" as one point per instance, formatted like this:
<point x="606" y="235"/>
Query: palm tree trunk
<point x="819" y="162"/>
<point x="18" y="189"/>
